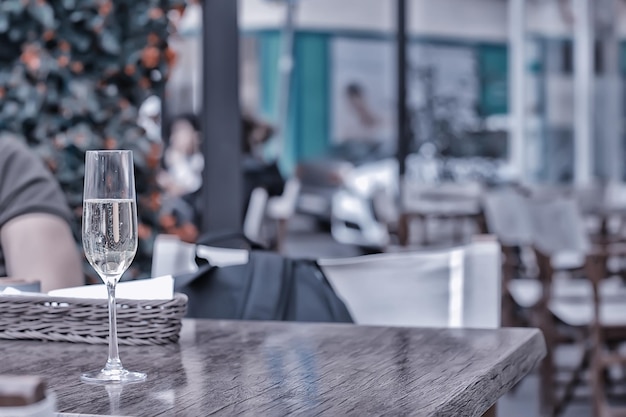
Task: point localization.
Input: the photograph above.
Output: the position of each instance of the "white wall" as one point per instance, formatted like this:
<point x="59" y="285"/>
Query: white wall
<point x="377" y="15"/>
<point x="367" y="15"/>
<point x="468" y="19"/>
<point x="475" y="19"/>
<point x="260" y="14"/>
<point x="545" y="17"/>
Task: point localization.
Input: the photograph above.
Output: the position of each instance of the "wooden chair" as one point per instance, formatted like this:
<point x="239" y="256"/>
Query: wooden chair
<point x="607" y="331"/>
<point x="507" y="218"/>
<point x="558" y="228"/>
<point x="255" y="215"/>
<point x="353" y="222"/>
<point x="386" y="210"/>
<point x="281" y="209"/>
<point x="456" y="204"/>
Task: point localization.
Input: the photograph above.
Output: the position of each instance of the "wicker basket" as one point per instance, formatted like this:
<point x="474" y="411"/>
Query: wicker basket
<point x="139" y="322"/>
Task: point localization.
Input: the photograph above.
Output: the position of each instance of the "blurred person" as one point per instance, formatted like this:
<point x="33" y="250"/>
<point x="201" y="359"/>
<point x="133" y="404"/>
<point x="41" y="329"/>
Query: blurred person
<point x="359" y="122"/>
<point x="36" y="241"/>
<point x="184" y="82"/>
<point x="150" y="118"/>
<point x="258" y="172"/>
<point x="183" y="159"/>
<point x="181" y="180"/>
<point x="254" y="134"/>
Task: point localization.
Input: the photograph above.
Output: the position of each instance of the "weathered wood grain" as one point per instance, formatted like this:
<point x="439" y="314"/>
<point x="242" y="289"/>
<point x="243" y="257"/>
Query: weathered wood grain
<point x="274" y="369"/>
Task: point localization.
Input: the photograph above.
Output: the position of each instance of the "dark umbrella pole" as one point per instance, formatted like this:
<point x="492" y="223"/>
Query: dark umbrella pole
<point x="222" y="186"/>
<point x="403" y="128"/>
<point x="404" y="131"/>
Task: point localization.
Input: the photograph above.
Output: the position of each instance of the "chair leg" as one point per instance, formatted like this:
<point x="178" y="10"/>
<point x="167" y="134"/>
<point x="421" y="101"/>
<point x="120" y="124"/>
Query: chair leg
<point x="281" y="233"/>
<point x="546" y="383"/>
<point x="597" y="387"/>
<point x="507" y="302"/>
<point x="425" y="235"/>
<point x="570" y="387"/>
<point x="403" y="229"/>
<point x="598" y="374"/>
<point x="596" y="270"/>
<point x="458" y="224"/>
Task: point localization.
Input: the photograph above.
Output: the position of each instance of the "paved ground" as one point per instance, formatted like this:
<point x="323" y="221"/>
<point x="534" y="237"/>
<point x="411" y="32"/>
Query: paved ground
<point x="304" y="240"/>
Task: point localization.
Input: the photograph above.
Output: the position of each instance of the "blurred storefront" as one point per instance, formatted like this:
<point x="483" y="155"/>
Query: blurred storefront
<point x="459" y="80"/>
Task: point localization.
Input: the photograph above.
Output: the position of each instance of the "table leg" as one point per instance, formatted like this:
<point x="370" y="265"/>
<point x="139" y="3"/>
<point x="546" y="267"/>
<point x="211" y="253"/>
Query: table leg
<point x="403" y="229"/>
<point x="281" y="233"/>
<point x="458" y="223"/>
<point x="604" y="229"/>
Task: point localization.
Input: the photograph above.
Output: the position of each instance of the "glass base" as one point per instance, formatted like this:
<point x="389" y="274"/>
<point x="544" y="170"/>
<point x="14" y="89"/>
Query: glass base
<point x="104" y="376"/>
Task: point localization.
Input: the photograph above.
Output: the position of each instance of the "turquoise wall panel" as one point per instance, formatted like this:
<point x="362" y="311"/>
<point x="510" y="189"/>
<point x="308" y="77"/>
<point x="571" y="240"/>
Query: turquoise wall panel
<point x="269" y="51"/>
<point x="307" y="130"/>
<point x="493" y="74"/>
<point x="313" y="104"/>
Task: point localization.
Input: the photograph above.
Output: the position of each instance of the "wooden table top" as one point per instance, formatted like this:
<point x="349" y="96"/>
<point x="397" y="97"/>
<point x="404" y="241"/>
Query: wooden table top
<point x="273" y="368"/>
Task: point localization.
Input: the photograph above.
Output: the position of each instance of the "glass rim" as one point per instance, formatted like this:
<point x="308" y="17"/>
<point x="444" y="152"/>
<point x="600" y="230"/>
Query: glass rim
<point x="109" y="151"/>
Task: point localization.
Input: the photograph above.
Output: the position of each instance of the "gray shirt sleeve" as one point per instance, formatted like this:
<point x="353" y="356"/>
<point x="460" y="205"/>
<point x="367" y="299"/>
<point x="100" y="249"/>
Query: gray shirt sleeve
<point x="26" y="186"/>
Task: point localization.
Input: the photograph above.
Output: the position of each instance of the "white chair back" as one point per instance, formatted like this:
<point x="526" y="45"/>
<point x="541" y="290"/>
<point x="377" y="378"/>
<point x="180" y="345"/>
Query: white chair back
<point x="385" y="206"/>
<point x="284" y="206"/>
<point x="172" y="256"/>
<point x="255" y="214"/>
<point x="558" y="227"/>
<point x="507" y="217"/>
<point x="615" y="195"/>
<point x="457" y="287"/>
<point x="443" y="197"/>
<point x="353" y="222"/>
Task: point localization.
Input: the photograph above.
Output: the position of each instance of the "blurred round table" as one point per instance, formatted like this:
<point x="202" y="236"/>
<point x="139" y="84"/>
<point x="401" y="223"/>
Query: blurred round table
<point x="446" y="206"/>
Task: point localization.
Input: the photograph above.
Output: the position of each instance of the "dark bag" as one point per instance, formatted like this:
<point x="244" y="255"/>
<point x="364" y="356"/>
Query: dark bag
<point x="261" y="174"/>
<point x="258" y="174"/>
<point x="268" y="287"/>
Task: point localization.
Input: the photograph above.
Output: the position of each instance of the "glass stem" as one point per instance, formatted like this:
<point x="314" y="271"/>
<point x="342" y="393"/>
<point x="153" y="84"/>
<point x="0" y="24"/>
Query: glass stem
<point x="113" y="363"/>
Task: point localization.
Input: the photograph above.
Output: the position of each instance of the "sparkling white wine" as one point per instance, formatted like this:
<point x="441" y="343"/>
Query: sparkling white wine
<point x="110" y="235"/>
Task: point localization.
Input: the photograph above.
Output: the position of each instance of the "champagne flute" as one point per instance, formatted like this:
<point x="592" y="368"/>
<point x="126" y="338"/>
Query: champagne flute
<point x="110" y="240"/>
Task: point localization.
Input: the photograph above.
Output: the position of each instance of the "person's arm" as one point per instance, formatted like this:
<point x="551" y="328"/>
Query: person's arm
<point x="40" y="246"/>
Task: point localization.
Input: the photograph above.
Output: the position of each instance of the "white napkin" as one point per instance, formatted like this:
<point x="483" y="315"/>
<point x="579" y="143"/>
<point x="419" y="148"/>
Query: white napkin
<point x="11" y="291"/>
<point x="159" y="288"/>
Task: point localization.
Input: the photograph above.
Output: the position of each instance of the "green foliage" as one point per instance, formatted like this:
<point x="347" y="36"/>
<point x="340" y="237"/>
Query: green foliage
<point x="73" y="74"/>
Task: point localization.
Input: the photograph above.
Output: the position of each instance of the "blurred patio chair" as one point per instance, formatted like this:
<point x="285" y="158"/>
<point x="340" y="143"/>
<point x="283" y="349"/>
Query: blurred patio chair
<point x="449" y="203"/>
<point x="455" y="287"/>
<point x="545" y="191"/>
<point x="386" y="210"/>
<point x="172" y="256"/>
<point x="589" y="311"/>
<point x="507" y="218"/>
<point x="255" y="215"/>
<point x="353" y="222"/>
<point x="281" y="209"/>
